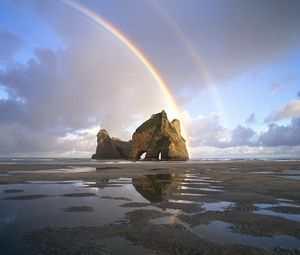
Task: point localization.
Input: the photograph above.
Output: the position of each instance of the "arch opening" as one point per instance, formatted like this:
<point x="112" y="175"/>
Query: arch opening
<point x="142" y="155"/>
<point x="159" y="155"/>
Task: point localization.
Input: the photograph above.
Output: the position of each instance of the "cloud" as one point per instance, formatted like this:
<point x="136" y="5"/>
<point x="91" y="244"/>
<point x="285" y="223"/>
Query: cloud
<point x="292" y="109"/>
<point x="277" y="140"/>
<point x="240" y="136"/>
<point x="207" y="131"/>
<point x="253" y="34"/>
<point x="284" y="84"/>
<point x="93" y="80"/>
<point x="280" y="135"/>
<point x="10" y="44"/>
<point x="247" y="152"/>
<point x="251" y="118"/>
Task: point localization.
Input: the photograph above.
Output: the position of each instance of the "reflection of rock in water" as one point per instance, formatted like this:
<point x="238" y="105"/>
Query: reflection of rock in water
<point x="100" y="183"/>
<point x="158" y="188"/>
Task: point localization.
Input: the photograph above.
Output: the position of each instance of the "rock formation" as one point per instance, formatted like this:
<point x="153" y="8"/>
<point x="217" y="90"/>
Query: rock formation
<point x="159" y="139"/>
<point x="111" y="148"/>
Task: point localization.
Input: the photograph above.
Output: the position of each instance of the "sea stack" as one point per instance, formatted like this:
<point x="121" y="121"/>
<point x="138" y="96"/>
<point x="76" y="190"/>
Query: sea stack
<point x="111" y="148"/>
<point x="159" y="139"/>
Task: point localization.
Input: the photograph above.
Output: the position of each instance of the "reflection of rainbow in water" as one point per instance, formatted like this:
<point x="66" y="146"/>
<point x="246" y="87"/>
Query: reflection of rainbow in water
<point x="136" y="51"/>
<point x="201" y="68"/>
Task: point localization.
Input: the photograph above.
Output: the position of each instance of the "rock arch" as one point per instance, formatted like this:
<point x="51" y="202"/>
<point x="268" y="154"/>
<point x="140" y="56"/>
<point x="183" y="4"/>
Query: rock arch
<point x="159" y="136"/>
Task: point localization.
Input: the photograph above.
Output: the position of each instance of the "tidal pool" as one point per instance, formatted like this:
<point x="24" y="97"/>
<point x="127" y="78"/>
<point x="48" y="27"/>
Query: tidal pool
<point x="219" y="231"/>
<point x="266" y="209"/>
<point x="61" y="170"/>
<point x="128" y="212"/>
<point x="54" y="204"/>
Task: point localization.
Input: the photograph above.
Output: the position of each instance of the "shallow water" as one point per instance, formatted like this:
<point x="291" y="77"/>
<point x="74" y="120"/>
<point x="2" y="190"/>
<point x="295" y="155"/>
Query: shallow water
<point x="263" y="172"/>
<point x="292" y="171"/>
<point x="219" y="231"/>
<point x="218" y="206"/>
<point x="25" y="207"/>
<point x="19" y="215"/>
<point x="293" y="174"/>
<point x="288" y="216"/>
<point x="265" y="209"/>
<point x="61" y="170"/>
<point x="294" y="177"/>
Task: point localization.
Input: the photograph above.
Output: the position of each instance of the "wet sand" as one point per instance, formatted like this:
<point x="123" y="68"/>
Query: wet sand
<point x="103" y="170"/>
<point x="187" y="208"/>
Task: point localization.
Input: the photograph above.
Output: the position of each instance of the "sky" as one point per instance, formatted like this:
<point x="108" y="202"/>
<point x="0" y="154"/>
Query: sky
<point x="233" y="69"/>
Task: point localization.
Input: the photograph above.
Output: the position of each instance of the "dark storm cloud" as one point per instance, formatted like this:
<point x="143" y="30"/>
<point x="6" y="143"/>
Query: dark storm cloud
<point x="230" y="36"/>
<point x="9" y="45"/>
<point x="227" y="37"/>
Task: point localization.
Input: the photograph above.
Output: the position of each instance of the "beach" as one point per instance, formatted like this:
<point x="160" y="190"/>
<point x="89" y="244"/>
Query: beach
<point x="209" y="207"/>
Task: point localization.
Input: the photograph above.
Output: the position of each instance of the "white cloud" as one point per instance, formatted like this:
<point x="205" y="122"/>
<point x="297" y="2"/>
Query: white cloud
<point x="291" y="109"/>
<point x="93" y="80"/>
<point x="246" y="152"/>
<point x="280" y="135"/>
<point x="251" y="118"/>
<point x="210" y="139"/>
<point x="207" y="131"/>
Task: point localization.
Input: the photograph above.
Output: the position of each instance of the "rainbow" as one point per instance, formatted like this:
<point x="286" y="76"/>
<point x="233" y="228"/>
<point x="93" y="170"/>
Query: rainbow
<point x="137" y="52"/>
<point x="198" y="63"/>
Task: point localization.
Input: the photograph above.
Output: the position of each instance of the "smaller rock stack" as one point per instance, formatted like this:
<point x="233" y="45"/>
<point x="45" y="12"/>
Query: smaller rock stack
<point x="111" y="148"/>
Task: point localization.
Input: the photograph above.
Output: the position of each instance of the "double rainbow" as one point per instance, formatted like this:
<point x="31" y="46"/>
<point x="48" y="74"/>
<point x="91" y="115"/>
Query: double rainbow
<point x="83" y="10"/>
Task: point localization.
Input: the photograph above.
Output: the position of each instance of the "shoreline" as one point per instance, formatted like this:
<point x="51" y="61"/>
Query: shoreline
<point x="9" y="173"/>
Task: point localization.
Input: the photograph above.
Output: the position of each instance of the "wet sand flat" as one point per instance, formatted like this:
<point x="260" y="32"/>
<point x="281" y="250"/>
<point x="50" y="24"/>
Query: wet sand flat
<point x="137" y="169"/>
<point x="151" y="207"/>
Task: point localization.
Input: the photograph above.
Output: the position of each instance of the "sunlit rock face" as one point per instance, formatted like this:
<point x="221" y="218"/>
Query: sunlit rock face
<point x="159" y="139"/>
<point x="111" y="148"/>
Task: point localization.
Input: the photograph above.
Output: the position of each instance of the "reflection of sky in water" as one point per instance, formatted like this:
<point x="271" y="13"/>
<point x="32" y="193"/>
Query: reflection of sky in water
<point x="264" y="210"/>
<point x="288" y="216"/>
<point x="218" y="206"/>
<point x="294" y="177"/>
<point x="219" y="231"/>
<point x="201" y="189"/>
<point x="263" y="172"/>
<point x="17" y="216"/>
<point x="5" y="221"/>
<point x="265" y="206"/>
<point x="61" y="170"/>
<point x="291" y="174"/>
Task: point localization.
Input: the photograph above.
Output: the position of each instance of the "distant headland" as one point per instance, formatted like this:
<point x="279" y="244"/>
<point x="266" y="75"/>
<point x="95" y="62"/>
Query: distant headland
<point x="157" y="137"/>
